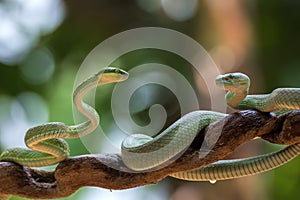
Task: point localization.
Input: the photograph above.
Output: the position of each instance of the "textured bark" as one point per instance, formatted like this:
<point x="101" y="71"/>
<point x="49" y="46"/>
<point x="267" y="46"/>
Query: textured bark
<point x="108" y="171"/>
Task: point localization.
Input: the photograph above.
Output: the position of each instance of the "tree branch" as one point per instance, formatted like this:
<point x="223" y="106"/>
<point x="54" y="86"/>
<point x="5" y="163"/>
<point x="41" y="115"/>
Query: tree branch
<point x="102" y="170"/>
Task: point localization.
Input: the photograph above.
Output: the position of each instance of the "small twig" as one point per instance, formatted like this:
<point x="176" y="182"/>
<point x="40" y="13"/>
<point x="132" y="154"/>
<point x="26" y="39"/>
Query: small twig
<point x="103" y="170"/>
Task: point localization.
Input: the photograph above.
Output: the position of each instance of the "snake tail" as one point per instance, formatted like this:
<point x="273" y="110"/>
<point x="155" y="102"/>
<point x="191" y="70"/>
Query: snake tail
<point x="237" y="168"/>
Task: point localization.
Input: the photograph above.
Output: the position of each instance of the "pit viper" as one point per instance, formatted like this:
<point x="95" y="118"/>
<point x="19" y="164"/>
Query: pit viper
<point x="141" y="152"/>
<point x="45" y="141"/>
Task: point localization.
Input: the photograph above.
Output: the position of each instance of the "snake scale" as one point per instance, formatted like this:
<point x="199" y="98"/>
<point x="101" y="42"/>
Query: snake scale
<point x="141" y="152"/>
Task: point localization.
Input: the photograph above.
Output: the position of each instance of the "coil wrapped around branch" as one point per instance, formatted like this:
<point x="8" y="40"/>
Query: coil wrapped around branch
<point x="93" y="170"/>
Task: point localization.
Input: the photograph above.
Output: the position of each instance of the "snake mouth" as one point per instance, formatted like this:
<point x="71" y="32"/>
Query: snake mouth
<point x="222" y="81"/>
<point x="233" y="80"/>
<point x="112" y="74"/>
<point x="122" y="73"/>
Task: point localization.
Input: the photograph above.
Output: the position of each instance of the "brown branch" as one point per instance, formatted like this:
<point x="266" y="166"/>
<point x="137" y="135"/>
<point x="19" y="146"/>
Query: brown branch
<point x="102" y="170"/>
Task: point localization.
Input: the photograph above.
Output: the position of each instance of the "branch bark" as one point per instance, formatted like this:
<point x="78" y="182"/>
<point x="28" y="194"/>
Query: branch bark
<point x="103" y="170"/>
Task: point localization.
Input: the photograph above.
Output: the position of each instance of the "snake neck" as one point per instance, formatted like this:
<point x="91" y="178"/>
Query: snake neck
<point x="234" y="98"/>
<point x="108" y="75"/>
<point x="243" y="101"/>
<point x="238" y="98"/>
<point x="89" y="112"/>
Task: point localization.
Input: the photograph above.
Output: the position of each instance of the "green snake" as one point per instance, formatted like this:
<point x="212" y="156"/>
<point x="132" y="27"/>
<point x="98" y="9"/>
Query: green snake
<point x="45" y="141"/>
<point x="141" y="152"/>
<point x="281" y="99"/>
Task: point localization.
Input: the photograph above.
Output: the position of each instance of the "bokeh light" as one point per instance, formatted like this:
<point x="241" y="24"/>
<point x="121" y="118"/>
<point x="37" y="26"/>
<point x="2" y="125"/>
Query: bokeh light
<point x="149" y="5"/>
<point x="38" y="66"/>
<point x="23" y="22"/>
<point x="180" y="10"/>
<point x="19" y="114"/>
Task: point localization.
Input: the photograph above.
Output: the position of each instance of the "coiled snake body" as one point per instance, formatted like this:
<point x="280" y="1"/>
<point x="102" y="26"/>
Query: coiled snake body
<point x="141" y="152"/>
<point x="45" y="140"/>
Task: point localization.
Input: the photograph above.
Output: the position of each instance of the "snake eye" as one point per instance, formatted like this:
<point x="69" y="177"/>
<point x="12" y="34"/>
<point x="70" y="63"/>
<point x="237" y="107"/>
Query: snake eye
<point x="117" y="71"/>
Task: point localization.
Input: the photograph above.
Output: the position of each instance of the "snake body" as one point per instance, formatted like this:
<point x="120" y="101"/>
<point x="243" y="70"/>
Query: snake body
<point x="149" y="153"/>
<point x="141" y="152"/>
<point x="45" y="141"/>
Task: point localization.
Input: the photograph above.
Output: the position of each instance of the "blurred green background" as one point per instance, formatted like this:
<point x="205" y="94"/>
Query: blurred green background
<point x="43" y="44"/>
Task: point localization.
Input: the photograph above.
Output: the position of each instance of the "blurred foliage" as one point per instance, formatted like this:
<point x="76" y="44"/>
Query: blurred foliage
<point x="277" y="46"/>
<point x="276" y="26"/>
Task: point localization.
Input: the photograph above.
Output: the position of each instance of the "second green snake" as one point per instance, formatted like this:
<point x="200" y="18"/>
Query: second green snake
<point x="141" y="152"/>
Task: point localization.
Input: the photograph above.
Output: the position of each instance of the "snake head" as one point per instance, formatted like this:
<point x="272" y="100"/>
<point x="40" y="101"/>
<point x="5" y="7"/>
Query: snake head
<point x="233" y="81"/>
<point x="112" y="74"/>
